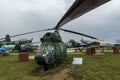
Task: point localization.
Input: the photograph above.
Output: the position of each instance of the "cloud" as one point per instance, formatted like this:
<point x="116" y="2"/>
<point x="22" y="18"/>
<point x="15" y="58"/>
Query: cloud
<point x="19" y="16"/>
<point x="27" y="15"/>
<point x="102" y="22"/>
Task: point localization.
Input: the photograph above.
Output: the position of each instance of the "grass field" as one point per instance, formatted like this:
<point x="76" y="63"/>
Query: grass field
<point x="94" y="67"/>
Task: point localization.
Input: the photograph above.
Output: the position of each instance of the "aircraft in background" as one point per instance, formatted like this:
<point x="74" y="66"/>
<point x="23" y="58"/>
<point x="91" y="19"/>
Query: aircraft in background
<point x="20" y="45"/>
<point x="4" y="49"/>
<point x="73" y="44"/>
<point x="97" y="43"/>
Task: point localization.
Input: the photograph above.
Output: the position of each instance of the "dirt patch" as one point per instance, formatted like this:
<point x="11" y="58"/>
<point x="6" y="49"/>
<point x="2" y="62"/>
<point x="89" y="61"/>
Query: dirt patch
<point x="31" y="57"/>
<point x="63" y="75"/>
<point x="14" y="54"/>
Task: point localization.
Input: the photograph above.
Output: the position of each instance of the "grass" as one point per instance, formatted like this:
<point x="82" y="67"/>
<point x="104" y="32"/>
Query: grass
<point x="94" y="67"/>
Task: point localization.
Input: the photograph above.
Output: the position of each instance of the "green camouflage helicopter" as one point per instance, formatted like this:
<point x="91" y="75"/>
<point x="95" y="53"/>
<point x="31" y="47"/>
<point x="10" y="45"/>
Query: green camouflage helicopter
<point x="53" y="49"/>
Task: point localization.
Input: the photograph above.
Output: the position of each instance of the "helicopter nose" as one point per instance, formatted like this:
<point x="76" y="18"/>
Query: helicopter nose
<point x="39" y="60"/>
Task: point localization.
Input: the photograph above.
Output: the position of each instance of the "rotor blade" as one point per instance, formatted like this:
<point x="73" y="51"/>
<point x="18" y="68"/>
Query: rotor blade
<point x="28" y="33"/>
<point x="79" y="34"/>
<point x="79" y="8"/>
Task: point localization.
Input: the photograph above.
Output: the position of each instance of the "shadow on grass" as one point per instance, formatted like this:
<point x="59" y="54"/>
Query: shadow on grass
<point x="38" y="70"/>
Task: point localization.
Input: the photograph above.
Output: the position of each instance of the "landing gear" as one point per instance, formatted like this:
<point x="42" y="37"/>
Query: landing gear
<point x="45" y="67"/>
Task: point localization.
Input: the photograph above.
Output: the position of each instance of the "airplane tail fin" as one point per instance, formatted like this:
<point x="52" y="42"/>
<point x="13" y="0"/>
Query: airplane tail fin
<point x="31" y="39"/>
<point x="7" y="38"/>
<point x="82" y="40"/>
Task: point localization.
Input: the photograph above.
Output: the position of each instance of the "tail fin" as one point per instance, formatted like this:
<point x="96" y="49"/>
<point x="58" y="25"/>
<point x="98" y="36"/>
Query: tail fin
<point x="82" y="40"/>
<point x="31" y="39"/>
<point x="7" y="38"/>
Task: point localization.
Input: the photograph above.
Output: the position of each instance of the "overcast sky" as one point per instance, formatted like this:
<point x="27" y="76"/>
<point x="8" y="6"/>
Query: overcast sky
<point x="19" y="16"/>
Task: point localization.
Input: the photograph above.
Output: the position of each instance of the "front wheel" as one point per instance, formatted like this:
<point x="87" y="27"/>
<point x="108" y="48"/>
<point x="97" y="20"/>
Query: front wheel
<point x="45" y="67"/>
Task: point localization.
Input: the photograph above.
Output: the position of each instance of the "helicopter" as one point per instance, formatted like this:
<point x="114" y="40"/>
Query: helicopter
<point x="53" y="49"/>
<point x="21" y="45"/>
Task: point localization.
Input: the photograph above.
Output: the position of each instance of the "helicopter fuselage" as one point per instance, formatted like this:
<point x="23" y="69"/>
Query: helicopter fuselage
<point x="52" y="50"/>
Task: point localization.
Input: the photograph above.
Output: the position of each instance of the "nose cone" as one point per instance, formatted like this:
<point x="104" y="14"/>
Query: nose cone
<point x="39" y="60"/>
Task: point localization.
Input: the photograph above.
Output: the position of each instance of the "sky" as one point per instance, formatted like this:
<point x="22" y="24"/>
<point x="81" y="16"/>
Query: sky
<point x="20" y="16"/>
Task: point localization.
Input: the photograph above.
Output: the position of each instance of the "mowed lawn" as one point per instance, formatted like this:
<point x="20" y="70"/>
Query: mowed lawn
<point x="94" y="67"/>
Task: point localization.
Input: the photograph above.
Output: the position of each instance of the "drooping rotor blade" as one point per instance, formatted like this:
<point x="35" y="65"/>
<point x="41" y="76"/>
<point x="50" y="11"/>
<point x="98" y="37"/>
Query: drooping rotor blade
<point x="79" y="8"/>
<point x="79" y="34"/>
<point x="28" y="33"/>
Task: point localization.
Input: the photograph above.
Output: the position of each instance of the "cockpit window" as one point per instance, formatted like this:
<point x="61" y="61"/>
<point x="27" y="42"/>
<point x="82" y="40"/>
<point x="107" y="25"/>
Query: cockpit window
<point x="47" y="48"/>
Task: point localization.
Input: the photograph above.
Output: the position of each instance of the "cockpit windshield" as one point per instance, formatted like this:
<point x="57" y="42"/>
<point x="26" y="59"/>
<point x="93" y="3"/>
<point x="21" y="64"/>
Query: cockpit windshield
<point x="47" y="48"/>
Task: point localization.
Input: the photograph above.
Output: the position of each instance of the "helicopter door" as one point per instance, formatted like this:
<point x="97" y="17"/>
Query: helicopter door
<point x="63" y="49"/>
<point x="58" y="51"/>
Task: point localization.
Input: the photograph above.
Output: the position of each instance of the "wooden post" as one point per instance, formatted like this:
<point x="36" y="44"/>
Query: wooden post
<point x="116" y="50"/>
<point x="23" y="56"/>
<point x="5" y="54"/>
<point x="91" y="50"/>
